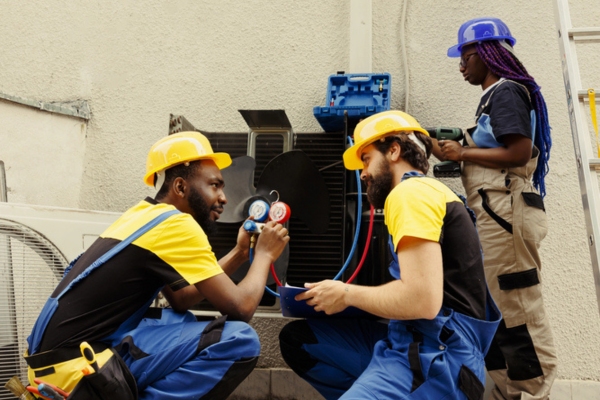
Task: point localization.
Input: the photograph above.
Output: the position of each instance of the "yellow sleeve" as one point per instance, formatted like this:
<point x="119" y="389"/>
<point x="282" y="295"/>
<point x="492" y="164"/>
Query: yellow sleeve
<point x="415" y="208"/>
<point x="184" y="246"/>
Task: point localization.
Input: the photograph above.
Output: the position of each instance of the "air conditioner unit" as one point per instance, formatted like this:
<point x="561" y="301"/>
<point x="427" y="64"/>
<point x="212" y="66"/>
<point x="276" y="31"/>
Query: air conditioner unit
<point x="315" y="252"/>
<point x="36" y="244"/>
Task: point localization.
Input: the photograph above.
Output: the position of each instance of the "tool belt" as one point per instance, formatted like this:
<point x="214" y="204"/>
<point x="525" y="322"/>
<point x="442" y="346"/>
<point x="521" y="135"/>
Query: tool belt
<point x="67" y="369"/>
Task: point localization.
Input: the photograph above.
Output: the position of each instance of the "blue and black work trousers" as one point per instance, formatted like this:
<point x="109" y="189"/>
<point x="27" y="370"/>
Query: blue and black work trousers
<point x="174" y="356"/>
<point x="366" y="359"/>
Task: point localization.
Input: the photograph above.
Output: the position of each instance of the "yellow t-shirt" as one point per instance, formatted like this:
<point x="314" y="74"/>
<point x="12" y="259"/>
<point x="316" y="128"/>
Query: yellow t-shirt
<point x="179" y="241"/>
<point x="417" y="207"/>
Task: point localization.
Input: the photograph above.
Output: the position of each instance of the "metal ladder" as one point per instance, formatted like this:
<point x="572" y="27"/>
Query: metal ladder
<point x="586" y="152"/>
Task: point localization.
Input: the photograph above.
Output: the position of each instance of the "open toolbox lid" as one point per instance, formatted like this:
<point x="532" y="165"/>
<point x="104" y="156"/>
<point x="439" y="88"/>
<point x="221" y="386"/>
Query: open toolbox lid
<point x="361" y="95"/>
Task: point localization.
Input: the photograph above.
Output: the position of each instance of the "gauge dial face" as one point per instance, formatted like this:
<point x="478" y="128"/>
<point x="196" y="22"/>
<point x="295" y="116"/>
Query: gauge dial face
<point x="259" y="210"/>
<point x="280" y="212"/>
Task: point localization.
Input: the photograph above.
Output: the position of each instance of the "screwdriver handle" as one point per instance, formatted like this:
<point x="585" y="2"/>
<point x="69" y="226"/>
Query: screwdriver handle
<point x="49" y="392"/>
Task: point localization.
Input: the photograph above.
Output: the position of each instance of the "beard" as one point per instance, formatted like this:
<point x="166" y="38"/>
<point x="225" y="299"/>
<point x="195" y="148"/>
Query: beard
<point x="201" y="212"/>
<point x="380" y="186"/>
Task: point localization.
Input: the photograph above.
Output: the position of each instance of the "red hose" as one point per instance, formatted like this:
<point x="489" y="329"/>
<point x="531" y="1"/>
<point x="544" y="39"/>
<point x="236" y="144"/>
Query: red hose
<point x="277" y="281"/>
<point x="362" y="260"/>
<point x="366" y="250"/>
<point x="272" y="267"/>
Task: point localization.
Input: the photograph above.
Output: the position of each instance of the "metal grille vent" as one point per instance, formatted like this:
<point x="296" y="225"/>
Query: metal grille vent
<point x="30" y="268"/>
<point x="312" y="257"/>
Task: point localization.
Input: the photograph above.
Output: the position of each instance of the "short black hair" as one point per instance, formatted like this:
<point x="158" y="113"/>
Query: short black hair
<point x="179" y="171"/>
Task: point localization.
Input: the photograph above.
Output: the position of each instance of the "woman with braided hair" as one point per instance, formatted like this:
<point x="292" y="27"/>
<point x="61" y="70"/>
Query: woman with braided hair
<point x="504" y="163"/>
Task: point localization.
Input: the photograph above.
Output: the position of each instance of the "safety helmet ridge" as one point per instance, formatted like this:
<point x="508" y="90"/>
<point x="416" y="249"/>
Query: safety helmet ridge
<point x="376" y="127"/>
<point x="180" y="148"/>
<point x="479" y="30"/>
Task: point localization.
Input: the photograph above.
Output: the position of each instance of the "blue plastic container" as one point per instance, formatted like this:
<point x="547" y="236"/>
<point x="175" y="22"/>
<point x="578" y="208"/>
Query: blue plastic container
<point x="361" y="95"/>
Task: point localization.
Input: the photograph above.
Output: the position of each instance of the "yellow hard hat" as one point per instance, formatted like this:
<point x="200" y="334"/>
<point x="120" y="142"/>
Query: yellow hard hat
<point x="179" y="148"/>
<point x="375" y="127"/>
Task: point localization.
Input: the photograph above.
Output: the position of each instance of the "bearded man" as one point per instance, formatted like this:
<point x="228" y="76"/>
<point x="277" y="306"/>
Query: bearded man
<point x="439" y="318"/>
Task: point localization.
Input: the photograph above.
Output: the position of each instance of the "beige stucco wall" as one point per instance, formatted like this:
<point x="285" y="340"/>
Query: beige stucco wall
<point x="136" y="62"/>
<point x="44" y="155"/>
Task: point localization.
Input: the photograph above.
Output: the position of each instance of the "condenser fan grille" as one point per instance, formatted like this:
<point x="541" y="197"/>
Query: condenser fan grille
<point x="313" y="257"/>
<point x="30" y="268"/>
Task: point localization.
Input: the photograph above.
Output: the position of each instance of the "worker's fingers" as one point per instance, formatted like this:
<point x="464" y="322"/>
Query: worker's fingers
<point x="277" y="227"/>
<point x="303" y="296"/>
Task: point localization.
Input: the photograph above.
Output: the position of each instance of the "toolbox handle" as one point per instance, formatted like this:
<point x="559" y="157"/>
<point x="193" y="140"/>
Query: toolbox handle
<point x="359" y="78"/>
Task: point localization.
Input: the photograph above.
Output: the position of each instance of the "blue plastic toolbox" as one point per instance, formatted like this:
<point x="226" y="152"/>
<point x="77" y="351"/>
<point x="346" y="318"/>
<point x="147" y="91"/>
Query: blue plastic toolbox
<point x="359" y="94"/>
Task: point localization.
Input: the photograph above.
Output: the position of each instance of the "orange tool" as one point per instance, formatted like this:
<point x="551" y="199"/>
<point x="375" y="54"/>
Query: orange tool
<point x="56" y="388"/>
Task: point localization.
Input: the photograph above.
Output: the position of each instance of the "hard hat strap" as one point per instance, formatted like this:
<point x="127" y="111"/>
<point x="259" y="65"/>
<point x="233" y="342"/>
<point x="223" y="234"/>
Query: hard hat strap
<point x="507" y="46"/>
<point x="159" y="179"/>
<point x="411" y="136"/>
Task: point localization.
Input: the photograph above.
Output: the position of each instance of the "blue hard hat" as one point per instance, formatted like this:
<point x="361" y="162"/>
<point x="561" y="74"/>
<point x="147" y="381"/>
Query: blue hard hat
<point x="478" y="30"/>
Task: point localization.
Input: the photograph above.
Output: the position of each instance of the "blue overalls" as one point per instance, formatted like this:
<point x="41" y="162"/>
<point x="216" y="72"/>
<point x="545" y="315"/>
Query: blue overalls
<point x="441" y="358"/>
<point x="170" y="355"/>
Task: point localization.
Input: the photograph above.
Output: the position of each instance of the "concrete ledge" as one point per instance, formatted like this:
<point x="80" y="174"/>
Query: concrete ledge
<point x="284" y="384"/>
<point x="274" y="383"/>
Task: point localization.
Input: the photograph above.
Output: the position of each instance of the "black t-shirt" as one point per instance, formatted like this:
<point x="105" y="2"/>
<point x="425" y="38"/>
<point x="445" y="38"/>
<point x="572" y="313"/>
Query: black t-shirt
<point x="509" y="109"/>
<point x="175" y="253"/>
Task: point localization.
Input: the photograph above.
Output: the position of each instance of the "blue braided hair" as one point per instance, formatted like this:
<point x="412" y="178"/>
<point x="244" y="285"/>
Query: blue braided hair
<point x="506" y="65"/>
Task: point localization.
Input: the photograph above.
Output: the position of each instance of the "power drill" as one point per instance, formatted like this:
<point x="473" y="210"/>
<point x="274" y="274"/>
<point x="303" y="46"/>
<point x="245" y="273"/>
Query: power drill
<point x="446" y="169"/>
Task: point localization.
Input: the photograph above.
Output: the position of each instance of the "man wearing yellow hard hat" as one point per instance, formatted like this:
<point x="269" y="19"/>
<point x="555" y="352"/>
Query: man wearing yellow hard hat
<point x="162" y="245"/>
<point x="441" y="316"/>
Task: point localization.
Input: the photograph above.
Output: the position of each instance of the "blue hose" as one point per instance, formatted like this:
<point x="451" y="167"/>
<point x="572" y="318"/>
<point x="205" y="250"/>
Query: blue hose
<point x="267" y="289"/>
<point x="358" y="221"/>
<point x="356" y="232"/>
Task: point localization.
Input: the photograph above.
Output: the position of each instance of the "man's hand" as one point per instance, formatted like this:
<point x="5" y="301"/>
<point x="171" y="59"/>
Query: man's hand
<point x="419" y="294"/>
<point x="243" y="242"/>
<point x="272" y="240"/>
<point x="328" y="296"/>
<point x="239" y="301"/>
<point x="451" y="150"/>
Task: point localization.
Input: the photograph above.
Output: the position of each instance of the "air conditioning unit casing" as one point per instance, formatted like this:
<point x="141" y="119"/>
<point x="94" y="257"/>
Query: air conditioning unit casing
<point x="36" y="244"/>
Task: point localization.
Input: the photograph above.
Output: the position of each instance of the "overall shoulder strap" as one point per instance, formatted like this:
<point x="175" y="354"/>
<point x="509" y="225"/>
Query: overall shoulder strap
<point x="51" y="305"/>
<point x="483" y="106"/>
<point x="124" y="243"/>
<point x="523" y="86"/>
<point x="412" y="174"/>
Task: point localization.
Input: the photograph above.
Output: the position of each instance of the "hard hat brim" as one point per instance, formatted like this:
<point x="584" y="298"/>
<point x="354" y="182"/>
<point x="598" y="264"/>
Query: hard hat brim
<point x="456" y="50"/>
<point x="352" y="160"/>
<point x="221" y="160"/>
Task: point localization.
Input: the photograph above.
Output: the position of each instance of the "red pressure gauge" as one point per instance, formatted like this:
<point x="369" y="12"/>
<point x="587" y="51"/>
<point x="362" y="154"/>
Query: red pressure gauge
<point x="280" y="212"/>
